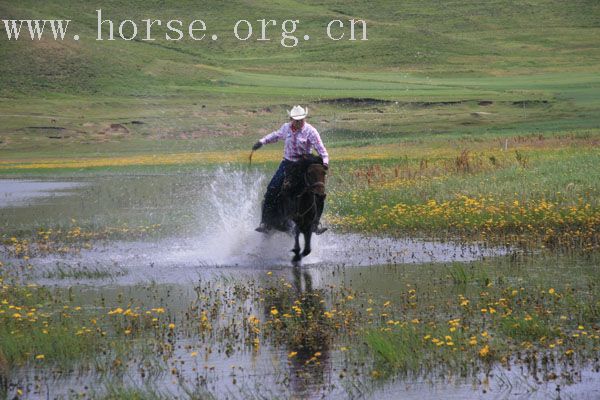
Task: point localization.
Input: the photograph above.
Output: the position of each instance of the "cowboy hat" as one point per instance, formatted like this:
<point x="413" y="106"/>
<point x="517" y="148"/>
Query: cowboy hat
<point x="298" y="112"/>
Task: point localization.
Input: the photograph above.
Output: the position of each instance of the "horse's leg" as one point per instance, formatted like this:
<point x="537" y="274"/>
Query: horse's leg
<point x="307" y="234"/>
<point x="296" y="248"/>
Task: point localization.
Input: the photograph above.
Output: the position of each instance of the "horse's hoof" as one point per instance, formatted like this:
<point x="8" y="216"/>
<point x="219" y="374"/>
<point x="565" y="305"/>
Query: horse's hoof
<point x="296" y="258"/>
<point x="305" y="253"/>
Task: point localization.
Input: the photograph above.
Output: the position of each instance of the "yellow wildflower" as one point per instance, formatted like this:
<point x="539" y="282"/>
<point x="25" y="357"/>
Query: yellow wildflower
<point x="484" y="351"/>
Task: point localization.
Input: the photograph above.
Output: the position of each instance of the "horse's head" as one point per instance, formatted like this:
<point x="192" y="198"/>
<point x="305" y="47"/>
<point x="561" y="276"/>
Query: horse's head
<point x="315" y="178"/>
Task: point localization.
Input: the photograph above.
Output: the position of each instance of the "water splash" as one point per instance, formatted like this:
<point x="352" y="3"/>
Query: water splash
<point x="229" y="214"/>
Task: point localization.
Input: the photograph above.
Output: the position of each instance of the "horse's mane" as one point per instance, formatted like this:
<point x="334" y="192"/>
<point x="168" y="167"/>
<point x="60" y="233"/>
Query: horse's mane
<point x="310" y="159"/>
<point x="295" y="172"/>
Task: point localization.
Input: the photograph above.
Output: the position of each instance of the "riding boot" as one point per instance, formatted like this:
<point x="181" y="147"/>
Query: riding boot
<point x="318" y="229"/>
<point x="270" y="217"/>
<point x="263" y="228"/>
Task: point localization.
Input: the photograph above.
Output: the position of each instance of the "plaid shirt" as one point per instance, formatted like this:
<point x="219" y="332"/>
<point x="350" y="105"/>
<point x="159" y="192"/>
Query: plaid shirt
<point x="298" y="143"/>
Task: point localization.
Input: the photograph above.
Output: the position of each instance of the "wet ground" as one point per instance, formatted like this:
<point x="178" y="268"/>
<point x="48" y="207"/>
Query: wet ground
<point x="207" y="223"/>
<point x="206" y="241"/>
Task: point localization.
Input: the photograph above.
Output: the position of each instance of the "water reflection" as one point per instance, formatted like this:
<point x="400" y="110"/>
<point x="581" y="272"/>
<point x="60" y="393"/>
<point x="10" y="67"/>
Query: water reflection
<point x="310" y="367"/>
<point x="305" y="334"/>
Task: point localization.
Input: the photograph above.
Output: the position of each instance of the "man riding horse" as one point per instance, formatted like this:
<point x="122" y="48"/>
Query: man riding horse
<point x="300" y="137"/>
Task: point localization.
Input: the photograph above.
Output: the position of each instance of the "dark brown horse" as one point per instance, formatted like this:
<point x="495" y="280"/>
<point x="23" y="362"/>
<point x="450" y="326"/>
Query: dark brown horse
<point x="302" y="200"/>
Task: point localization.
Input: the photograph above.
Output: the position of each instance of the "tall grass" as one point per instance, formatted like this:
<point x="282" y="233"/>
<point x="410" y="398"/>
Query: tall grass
<point x="540" y="196"/>
<point x="402" y="349"/>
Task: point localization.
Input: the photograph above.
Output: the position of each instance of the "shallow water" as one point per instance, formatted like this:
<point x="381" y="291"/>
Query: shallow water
<point x="23" y="193"/>
<point x="244" y="373"/>
<point x="184" y="260"/>
<point x="207" y="219"/>
<point x="206" y="236"/>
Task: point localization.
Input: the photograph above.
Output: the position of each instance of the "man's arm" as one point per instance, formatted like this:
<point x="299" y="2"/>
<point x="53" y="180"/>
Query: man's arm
<point x="319" y="146"/>
<point x="273" y="136"/>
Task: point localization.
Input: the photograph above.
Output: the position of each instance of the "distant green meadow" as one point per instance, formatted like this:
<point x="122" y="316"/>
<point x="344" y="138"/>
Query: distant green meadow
<point x="427" y="69"/>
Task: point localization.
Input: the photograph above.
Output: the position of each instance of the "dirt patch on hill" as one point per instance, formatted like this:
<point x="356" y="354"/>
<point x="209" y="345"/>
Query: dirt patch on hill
<point x="370" y="102"/>
<point x="356" y="101"/>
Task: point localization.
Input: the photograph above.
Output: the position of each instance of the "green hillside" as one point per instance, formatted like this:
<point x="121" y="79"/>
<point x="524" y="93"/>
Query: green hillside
<point x="431" y="63"/>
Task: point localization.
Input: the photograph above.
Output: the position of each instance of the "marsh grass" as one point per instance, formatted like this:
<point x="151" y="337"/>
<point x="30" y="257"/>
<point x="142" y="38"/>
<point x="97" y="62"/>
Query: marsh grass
<point x="402" y="350"/>
<point x="114" y="392"/>
<point x="461" y="326"/>
<point x="69" y="238"/>
<point x="458" y="274"/>
<point x="549" y="201"/>
<point x="492" y="313"/>
<point x="40" y="326"/>
<point x="30" y="331"/>
<point x="59" y="345"/>
<point x="149" y="391"/>
<point x="83" y="272"/>
<point x="531" y="329"/>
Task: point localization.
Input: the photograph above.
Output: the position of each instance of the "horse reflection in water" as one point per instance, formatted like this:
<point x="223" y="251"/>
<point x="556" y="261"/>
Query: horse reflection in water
<point x="311" y="365"/>
<point x="307" y="337"/>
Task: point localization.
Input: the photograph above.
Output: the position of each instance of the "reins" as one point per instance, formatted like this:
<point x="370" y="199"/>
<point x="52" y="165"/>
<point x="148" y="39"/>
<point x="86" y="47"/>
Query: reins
<point x="310" y="186"/>
<point x="313" y="205"/>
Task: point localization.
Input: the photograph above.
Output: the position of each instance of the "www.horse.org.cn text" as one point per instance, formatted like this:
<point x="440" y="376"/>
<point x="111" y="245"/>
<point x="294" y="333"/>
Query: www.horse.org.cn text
<point x="260" y="30"/>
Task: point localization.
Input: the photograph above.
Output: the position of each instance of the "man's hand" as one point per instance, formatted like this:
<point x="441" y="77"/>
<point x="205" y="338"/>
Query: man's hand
<point x="257" y="146"/>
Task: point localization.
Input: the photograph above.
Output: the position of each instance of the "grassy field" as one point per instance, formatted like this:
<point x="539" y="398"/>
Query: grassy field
<point x="424" y="72"/>
<point x="464" y="121"/>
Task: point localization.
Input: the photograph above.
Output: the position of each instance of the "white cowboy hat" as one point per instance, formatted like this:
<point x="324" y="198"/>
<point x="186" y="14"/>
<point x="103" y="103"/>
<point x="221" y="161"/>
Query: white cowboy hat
<point x="298" y="112"/>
